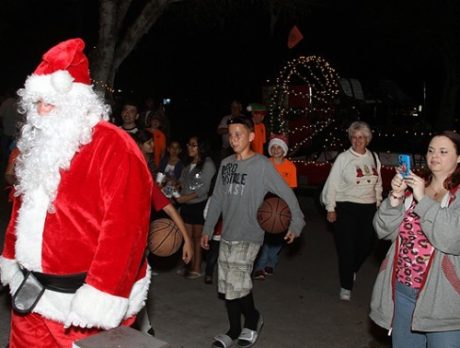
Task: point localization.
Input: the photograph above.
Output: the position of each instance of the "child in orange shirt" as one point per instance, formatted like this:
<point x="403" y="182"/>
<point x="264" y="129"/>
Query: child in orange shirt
<point x="258" y="112"/>
<point x="159" y="139"/>
<point x="277" y="148"/>
<point x="268" y="256"/>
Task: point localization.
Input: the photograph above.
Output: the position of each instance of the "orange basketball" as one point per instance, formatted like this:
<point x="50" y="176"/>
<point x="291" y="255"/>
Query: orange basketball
<point x="164" y="237"/>
<point x="274" y="215"/>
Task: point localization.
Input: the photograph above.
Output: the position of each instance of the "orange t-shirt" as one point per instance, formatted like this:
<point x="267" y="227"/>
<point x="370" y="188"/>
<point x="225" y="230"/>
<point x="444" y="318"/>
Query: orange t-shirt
<point x="257" y="144"/>
<point x="287" y="170"/>
<point x="159" y="140"/>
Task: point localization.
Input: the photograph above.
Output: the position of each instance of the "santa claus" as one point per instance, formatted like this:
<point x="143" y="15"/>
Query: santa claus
<point x="74" y="248"/>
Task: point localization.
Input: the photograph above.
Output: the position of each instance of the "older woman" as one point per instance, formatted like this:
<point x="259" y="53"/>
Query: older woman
<point x="351" y="195"/>
<point x="417" y="291"/>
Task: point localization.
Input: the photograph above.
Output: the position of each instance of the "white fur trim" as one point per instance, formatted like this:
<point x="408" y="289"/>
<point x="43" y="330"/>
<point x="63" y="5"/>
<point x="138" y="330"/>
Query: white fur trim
<point x="8" y="269"/>
<point x="29" y="230"/>
<point x="279" y="142"/>
<point x="93" y="308"/>
<point x="139" y="294"/>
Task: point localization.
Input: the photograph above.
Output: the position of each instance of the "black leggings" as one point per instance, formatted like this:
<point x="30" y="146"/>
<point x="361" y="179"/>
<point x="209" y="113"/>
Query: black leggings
<point x="235" y="308"/>
<point x="354" y="238"/>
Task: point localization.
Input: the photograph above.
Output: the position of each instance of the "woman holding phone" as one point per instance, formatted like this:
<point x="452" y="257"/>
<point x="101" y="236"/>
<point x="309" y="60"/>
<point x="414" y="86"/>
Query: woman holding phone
<point x="417" y="291"/>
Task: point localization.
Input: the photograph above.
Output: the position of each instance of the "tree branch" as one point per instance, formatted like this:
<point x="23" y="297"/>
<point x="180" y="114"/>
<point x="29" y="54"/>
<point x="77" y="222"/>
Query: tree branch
<point x="149" y="15"/>
<point x="123" y="6"/>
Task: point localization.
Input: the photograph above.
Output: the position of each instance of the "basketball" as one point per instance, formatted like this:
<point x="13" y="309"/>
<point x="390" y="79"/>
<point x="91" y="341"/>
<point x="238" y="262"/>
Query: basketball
<point x="164" y="237"/>
<point x="274" y="215"/>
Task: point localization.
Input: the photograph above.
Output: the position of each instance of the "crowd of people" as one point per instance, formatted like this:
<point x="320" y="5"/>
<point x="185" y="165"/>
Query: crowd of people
<point x="84" y="191"/>
<point x="82" y="181"/>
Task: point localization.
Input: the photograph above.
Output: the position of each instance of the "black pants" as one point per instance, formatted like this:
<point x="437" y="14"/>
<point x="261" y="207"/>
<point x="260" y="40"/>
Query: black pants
<point x="354" y="238"/>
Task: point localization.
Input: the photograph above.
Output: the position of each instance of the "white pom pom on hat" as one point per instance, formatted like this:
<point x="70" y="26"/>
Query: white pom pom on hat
<point x="61" y="81"/>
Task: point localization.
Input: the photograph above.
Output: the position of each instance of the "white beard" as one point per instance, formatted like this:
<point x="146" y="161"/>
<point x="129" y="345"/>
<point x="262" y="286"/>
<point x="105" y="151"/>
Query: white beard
<point x="48" y="143"/>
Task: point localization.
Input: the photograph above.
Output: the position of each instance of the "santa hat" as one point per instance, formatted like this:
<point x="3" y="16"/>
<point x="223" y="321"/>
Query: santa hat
<point x="256" y="107"/>
<point x="280" y="140"/>
<point x="62" y="67"/>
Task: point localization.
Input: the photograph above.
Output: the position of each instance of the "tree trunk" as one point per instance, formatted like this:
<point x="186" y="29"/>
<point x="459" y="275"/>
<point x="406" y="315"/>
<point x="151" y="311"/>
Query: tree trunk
<point x="103" y="53"/>
<point x="113" y="48"/>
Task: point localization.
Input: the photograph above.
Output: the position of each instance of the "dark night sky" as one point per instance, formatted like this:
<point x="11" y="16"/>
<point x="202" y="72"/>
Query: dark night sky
<point x="205" y="65"/>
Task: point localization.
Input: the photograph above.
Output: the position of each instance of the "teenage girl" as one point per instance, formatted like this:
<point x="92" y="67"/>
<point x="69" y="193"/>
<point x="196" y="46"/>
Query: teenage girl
<point x="145" y="141"/>
<point x="195" y="182"/>
<point x="171" y="165"/>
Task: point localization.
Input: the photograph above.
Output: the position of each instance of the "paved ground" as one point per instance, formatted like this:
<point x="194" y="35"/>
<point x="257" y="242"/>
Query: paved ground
<point x="299" y="303"/>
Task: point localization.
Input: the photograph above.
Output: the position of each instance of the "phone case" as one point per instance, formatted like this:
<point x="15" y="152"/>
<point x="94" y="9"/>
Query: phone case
<point x="404" y="164"/>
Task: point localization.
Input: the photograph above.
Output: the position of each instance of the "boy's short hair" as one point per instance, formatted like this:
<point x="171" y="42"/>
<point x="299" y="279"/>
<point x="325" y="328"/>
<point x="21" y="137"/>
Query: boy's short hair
<point x="244" y="120"/>
<point x="131" y="102"/>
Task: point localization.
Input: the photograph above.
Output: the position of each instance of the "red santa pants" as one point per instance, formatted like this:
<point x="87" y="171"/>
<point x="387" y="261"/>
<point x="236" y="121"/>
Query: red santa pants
<point x="33" y="330"/>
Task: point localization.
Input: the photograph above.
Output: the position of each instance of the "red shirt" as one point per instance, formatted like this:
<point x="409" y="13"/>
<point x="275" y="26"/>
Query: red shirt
<point x="159" y="200"/>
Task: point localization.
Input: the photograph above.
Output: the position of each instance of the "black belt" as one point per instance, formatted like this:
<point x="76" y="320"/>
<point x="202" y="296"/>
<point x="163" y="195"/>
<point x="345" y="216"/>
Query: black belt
<point x="68" y="283"/>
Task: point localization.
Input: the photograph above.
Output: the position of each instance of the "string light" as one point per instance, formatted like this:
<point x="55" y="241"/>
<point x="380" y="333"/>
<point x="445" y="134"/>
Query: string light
<point x="321" y="81"/>
<point x="103" y="85"/>
<point x="317" y="98"/>
<point x="336" y="138"/>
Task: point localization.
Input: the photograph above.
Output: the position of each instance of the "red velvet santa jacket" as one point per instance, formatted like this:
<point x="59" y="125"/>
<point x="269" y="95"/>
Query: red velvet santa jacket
<point x="99" y="226"/>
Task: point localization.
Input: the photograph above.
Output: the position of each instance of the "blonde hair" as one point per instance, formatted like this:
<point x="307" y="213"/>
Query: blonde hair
<point x="362" y="127"/>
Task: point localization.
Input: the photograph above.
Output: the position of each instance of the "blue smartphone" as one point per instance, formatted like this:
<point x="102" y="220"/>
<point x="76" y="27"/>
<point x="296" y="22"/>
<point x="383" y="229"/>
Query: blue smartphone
<point x="404" y="164"/>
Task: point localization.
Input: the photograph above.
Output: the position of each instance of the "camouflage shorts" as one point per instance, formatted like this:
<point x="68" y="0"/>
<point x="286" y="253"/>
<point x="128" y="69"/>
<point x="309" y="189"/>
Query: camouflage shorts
<point x="236" y="260"/>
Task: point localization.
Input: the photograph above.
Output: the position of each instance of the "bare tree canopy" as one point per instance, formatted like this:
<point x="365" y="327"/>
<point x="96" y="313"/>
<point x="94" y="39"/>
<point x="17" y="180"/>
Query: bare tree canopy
<point x="122" y="23"/>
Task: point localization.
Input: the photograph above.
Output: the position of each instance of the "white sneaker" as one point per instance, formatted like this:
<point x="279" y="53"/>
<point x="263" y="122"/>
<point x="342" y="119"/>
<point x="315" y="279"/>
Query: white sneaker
<point x="345" y="295"/>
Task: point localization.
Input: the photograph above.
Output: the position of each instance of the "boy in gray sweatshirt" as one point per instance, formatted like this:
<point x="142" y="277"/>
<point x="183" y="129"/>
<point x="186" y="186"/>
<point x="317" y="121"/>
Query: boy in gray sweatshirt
<point x="243" y="180"/>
